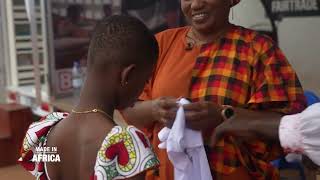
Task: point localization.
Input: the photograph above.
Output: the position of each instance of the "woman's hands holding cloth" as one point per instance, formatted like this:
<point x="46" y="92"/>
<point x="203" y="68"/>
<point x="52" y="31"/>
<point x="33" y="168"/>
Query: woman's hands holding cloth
<point x="199" y="116"/>
<point x="202" y="116"/>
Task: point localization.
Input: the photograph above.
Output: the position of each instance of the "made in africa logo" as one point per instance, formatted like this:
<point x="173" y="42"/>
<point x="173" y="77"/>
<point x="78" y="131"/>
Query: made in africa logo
<point x="46" y="154"/>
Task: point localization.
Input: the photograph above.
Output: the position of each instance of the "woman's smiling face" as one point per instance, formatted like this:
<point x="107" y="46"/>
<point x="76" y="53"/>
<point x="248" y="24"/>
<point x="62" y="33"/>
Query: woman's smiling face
<point x="206" y="15"/>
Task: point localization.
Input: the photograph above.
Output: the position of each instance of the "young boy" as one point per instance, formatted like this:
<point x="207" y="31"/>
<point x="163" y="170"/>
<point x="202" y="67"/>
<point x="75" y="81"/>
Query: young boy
<point x="89" y="144"/>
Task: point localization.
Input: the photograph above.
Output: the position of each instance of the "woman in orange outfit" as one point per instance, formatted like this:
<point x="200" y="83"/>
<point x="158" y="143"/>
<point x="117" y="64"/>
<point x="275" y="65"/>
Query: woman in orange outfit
<point x="214" y="63"/>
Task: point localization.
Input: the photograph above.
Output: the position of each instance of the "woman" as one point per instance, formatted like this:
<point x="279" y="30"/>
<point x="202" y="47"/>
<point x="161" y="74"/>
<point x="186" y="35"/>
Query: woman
<point x="298" y="135"/>
<point x="215" y="63"/>
<point x="89" y="145"/>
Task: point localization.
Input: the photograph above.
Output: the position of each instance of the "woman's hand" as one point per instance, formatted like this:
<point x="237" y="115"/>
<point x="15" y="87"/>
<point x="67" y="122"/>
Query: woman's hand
<point x="240" y="129"/>
<point x="203" y="116"/>
<point x="164" y="110"/>
<point x="249" y="125"/>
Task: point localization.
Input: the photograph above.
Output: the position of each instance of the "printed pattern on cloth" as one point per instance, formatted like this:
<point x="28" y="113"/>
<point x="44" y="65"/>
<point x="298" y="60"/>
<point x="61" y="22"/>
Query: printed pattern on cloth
<point x="124" y="153"/>
<point x="246" y="69"/>
<point x="36" y="137"/>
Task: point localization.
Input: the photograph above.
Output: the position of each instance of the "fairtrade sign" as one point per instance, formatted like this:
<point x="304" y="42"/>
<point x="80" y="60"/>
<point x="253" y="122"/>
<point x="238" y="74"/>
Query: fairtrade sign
<point x="294" y="7"/>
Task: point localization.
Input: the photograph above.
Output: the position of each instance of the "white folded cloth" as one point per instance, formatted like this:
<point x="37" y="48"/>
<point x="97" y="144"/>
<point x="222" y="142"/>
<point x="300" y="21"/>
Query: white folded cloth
<point x="185" y="149"/>
<point x="300" y="134"/>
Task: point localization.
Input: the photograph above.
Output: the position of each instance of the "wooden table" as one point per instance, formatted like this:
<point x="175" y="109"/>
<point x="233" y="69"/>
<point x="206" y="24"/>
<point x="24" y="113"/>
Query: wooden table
<point x="14" y="122"/>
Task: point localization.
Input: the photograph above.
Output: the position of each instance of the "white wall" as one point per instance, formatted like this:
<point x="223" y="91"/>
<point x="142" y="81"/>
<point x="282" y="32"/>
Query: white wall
<point x="2" y="65"/>
<point x="299" y="38"/>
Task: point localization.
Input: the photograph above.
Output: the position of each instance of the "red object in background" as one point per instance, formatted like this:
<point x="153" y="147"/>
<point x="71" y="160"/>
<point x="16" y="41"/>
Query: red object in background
<point x="15" y="120"/>
<point x="45" y="107"/>
<point x="12" y="96"/>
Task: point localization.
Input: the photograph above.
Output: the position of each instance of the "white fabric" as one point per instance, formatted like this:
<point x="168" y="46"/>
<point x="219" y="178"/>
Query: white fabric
<point x="185" y="149"/>
<point x="300" y="134"/>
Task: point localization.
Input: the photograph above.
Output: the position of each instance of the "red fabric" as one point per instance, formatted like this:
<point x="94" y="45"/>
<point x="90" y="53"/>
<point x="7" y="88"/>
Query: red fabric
<point x="143" y="139"/>
<point x="118" y="150"/>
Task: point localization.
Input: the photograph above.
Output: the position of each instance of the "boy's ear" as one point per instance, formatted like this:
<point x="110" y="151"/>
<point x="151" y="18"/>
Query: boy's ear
<point x="125" y="74"/>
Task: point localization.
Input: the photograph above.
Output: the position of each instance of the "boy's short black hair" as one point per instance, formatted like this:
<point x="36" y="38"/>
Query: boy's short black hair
<point x="124" y="40"/>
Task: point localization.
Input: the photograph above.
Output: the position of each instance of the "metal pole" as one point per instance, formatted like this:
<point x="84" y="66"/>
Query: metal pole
<point x="35" y="50"/>
<point x="2" y="59"/>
